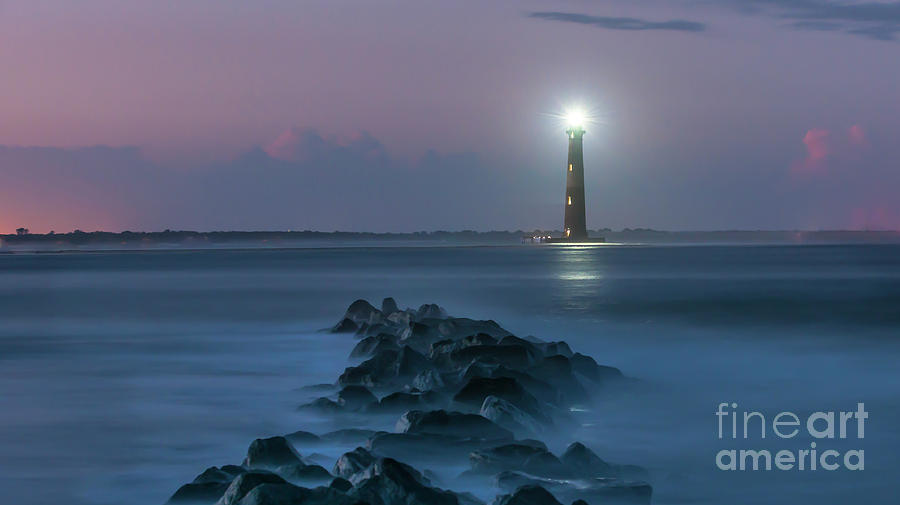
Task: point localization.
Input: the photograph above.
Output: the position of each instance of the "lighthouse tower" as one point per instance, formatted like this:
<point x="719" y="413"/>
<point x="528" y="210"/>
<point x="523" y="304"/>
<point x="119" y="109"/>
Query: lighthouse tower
<point x="575" y="228"/>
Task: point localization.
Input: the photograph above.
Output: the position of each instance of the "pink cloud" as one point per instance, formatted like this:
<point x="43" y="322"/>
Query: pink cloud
<point x="858" y="136"/>
<point x="818" y="148"/>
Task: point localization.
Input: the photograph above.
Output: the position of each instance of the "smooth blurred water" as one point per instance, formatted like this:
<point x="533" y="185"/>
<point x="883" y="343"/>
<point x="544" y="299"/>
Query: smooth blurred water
<point x="124" y="374"/>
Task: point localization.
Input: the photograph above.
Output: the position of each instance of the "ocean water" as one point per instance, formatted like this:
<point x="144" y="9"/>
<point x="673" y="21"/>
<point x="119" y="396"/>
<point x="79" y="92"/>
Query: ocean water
<point x="125" y="374"/>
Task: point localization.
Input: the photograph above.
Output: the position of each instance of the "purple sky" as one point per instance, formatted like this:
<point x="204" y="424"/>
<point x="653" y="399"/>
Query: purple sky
<point x="403" y="116"/>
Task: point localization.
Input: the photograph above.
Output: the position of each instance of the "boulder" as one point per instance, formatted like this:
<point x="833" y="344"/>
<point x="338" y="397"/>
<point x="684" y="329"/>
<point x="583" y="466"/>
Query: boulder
<point x="322" y="405"/>
<point x="287" y="494"/>
<point x="353" y="462"/>
<point x="528" y="495"/>
<point x="355" y="397"/>
<point x="473" y="394"/>
<point x="453" y="424"/>
<point x="345" y="326"/>
<point x="586" y="366"/>
<point x="361" y="312"/>
<point x="597" y="490"/>
<point x="389" y="306"/>
<point x="401" y="401"/>
<point x="370" y="346"/>
<point x="428" y="379"/>
<point x="305" y="474"/>
<point x="347" y="436"/>
<point x="514" y="356"/>
<point x="430" y="311"/>
<point x="391" y="483"/>
<point x="341" y="484"/>
<point x="509" y="416"/>
<point x="517" y="457"/>
<point x="271" y="453"/>
<point x="244" y="483"/>
<point x="198" y="493"/>
<point x="585" y="463"/>
<point x="302" y="438"/>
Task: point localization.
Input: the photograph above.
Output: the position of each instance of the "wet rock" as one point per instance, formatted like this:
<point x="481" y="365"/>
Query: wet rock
<point x="347" y="436"/>
<point x="401" y="401"/>
<point x="586" y="366"/>
<point x="305" y="474"/>
<point x="389" y="306"/>
<point x="322" y="405"/>
<point x="302" y="438"/>
<point x="271" y="453"/>
<point x="361" y="312"/>
<point x="389" y="482"/>
<point x="355" y="397"/>
<point x="514" y="356"/>
<point x="579" y="502"/>
<point x="345" y="326"/>
<point x="509" y="416"/>
<point x="215" y="474"/>
<point x="517" y="457"/>
<point x="353" y="462"/>
<point x="552" y="348"/>
<point x="430" y="311"/>
<point x="429" y="379"/>
<point x="341" y="484"/>
<point x="585" y="463"/>
<point x="597" y="490"/>
<point x="287" y="494"/>
<point x="473" y="394"/>
<point x="370" y="346"/>
<point x="453" y="424"/>
<point x="528" y="495"/>
<point x="198" y="493"/>
<point x="244" y="483"/>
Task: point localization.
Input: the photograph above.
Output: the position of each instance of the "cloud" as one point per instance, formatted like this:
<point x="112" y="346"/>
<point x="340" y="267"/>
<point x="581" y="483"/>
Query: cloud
<point x="821" y="146"/>
<point x="874" y="20"/>
<point x="818" y="148"/>
<point x="620" y="23"/>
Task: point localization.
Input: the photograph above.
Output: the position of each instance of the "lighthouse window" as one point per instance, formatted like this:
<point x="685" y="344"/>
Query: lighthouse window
<point x="568" y="231"/>
<point x="570" y="167"/>
<point x="569" y="201"/>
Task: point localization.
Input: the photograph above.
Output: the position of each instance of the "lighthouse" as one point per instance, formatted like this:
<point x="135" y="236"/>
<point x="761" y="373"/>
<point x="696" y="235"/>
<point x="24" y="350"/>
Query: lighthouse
<point x="575" y="226"/>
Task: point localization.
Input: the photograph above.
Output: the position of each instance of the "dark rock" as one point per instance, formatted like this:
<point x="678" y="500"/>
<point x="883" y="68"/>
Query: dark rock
<point x="345" y="326"/>
<point x="477" y="389"/>
<point x="551" y="348"/>
<point x="597" y="490"/>
<point x="244" y="483"/>
<point x="323" y="405"/>
<point x="361" y="312"/>
<point x="528" y="495"/>
<point x="388" y="482"/>
<point x="353" y="462"/>
<point x="514" y="356"/>
<point x="287" y="494"/>
<point x="584" y="462"/>
<point x="579" y="502"/>
<point x="509" y="416"/>
<point x="478" y="339"/>
<point x="271" y="453"/>
<point x="585" y="365"/>
<point x="517" y="457"/>
<point x="428" y="380"/>
<point x="347" y="436"/>
<point x="198" y="493"/>
<point x="389" y="306"/>
<point x="401" y="402"/>
<point x="305" y="474"/>
<point x="454" y="424"/>
<point x="303" y="438"/>
<point x="341" y="484"/>
<point x="370" y="346"/>
<point x="430" y="311"/>
<point x="215" y="474"/>
<point x="356" y="397"/>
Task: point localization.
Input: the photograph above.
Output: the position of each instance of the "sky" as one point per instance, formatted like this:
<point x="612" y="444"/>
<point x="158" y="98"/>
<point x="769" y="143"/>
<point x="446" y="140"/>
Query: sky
<point x="443" y="115"/>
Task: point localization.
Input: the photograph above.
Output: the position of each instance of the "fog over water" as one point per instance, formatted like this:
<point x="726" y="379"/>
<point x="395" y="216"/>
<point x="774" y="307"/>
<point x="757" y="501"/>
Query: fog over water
<point x="125" y="374"/>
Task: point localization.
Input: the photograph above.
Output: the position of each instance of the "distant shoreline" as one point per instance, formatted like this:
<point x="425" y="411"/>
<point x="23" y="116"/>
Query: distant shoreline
<point x="183" y="240"/>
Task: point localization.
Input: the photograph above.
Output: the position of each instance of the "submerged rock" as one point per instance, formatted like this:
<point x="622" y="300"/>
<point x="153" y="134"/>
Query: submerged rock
<point x="528" y="495"/>
<point x="271" y="453"/>
<point x="355" y="397"/>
